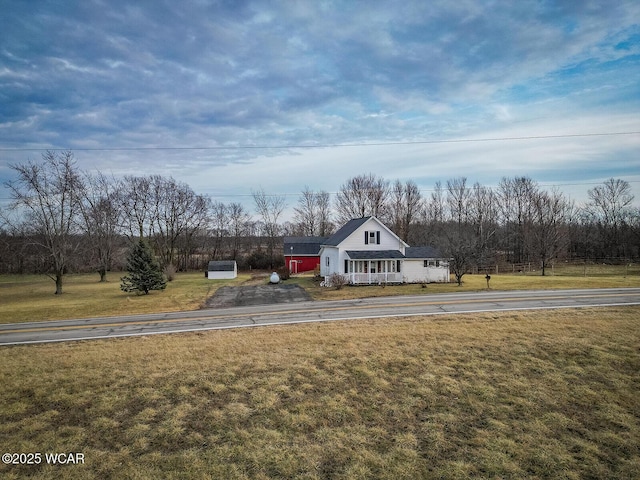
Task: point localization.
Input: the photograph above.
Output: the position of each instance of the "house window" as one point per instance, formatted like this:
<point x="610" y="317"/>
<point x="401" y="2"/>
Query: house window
<point x="431" y="263"/>
<point x="372" y="237"/>
<point x="327" y="261"/>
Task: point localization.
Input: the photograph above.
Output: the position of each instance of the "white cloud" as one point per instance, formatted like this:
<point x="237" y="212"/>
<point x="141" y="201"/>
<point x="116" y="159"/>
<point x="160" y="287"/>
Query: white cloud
<point x="191" y="74"/>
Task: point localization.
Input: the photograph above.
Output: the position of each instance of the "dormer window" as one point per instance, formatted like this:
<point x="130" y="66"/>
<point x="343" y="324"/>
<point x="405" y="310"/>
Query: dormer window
<point x="372" y="237"/>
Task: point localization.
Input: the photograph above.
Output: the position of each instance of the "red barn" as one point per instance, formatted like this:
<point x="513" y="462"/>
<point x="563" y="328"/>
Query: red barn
<point x="302" y="254"/>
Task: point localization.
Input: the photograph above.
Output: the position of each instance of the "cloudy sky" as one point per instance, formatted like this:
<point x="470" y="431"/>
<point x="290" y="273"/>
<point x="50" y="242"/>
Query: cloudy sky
<point x="231" y="97"/>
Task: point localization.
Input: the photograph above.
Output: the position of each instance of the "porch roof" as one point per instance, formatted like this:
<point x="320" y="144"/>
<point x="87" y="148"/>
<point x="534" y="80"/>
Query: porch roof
<point x="375" y="254"/>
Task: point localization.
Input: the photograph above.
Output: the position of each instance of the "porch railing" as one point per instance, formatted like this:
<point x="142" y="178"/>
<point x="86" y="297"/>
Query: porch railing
<point x="369" y="278"/>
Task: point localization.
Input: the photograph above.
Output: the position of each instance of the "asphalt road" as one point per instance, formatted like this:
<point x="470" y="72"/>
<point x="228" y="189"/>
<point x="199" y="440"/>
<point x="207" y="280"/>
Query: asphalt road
<point x="305" y="312"/>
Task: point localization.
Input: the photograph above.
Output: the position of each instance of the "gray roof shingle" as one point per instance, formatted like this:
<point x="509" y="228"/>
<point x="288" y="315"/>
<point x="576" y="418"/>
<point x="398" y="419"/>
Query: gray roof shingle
<point x="303" y="245"/>
<point x="346" y="230"/>
<point x="422" y="252"/>
<point x="222" y="265"/>
<point x="374" y="254"/>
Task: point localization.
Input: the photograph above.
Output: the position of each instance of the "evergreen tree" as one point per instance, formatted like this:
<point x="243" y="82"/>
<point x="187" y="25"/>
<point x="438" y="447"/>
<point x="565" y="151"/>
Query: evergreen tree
<point x="144" y="272"/>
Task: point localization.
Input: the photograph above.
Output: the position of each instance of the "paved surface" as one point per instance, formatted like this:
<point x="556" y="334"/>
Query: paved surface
<point x="306" y="312"/>
<point x="244" y="296"/>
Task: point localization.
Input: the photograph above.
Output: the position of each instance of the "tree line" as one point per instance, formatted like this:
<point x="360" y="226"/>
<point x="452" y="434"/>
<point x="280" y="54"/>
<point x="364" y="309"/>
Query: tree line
<point x="516" y="223"/>
<point x="62" y="219"/>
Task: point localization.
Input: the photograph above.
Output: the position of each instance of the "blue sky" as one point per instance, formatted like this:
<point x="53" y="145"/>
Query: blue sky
<point x="231" y="97"/>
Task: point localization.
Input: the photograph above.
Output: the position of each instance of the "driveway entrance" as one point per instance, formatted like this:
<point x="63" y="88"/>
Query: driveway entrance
<point x="257" y="295"/>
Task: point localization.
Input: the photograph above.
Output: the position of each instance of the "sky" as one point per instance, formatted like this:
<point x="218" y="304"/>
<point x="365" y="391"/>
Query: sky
<point x="232" y="97"/>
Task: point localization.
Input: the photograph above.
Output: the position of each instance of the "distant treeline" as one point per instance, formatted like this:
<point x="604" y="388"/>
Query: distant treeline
<point x="65" y="220"/>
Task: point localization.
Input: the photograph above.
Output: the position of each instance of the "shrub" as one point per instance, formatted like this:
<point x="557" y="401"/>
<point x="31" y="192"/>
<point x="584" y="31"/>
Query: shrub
<point x="284" y="273"/>
<point x="170" y="272"/>
<point x="337" y="280"/>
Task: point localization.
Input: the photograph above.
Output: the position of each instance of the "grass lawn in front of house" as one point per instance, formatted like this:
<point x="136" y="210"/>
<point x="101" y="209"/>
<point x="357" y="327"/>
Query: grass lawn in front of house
<point x="597" y="277"/>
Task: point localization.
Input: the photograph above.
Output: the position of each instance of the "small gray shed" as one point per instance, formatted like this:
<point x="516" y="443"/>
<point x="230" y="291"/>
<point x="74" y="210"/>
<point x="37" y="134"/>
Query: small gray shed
<point x="222" y="269"/>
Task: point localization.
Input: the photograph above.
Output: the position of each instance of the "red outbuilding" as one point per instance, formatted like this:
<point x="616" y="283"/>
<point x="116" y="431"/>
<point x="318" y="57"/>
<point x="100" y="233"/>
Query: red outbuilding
<point x="302" y="254"/>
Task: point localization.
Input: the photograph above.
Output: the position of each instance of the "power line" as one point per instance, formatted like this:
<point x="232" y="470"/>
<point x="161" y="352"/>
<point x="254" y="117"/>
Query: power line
<point x="422" y="190"/>
<point x="326" y="145"/>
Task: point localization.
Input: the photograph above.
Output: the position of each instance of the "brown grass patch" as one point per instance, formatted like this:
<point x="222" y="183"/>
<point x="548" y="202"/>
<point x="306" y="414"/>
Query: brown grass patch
<point x="28" y="298"/>
<point x="505" y="395"/>
<point x="564" y="278"/>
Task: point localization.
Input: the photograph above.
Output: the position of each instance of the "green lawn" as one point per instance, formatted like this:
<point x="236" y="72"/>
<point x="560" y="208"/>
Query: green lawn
<point x="505" y="395"/>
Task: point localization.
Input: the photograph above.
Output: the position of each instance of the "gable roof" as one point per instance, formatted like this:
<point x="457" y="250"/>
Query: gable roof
<point x="344" y="231"/>
<point x="303" y="245"/>
<point x="422" y="252"/>
<point x="351" y="226"/>
<point x="222" y="265"/>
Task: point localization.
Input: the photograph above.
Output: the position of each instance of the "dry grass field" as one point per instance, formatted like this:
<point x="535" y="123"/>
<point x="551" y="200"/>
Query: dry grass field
<point x="507" y="395"/>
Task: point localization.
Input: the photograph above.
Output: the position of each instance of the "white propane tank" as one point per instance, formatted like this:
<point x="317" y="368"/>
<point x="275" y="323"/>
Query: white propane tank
<point x="275" y="278"/>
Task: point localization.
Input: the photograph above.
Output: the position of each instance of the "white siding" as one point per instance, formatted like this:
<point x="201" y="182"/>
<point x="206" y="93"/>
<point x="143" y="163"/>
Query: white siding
<point x="416" y="272"/>
<point x="388" y="241"/>
<point x="221" y="275"/>
<point x="332" y="254"/>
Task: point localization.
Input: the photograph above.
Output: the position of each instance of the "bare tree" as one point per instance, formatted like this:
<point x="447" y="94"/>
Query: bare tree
<point x="218" y="227"/>
<point x="177" y="211"/>
<point x="239" y="220"/>
<point x="516" y="206"/>
<point x="610" y="207"/>
<point x="435" y="211"/>
<point x="362" y="196"/>
<point x="270" y="208"/>
<point x="550" y="232"/>
<point x="136" y="200"/>
<point x="404" y="207"/>
<point x="166" y="212"/>
<point x="429" y="229"/>
<point x="459" y="233"/>
<point x="312" y="213"/>
<point x="305" y="214"/>
<point x="483" y="217"/>
<point x="47" y="196"/>
<point x="325" y="225"/>
<point x="101" y="216"/>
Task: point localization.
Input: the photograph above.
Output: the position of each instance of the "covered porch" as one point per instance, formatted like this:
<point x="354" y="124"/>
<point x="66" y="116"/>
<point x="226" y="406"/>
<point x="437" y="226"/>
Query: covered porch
<point x="373" y="267"/>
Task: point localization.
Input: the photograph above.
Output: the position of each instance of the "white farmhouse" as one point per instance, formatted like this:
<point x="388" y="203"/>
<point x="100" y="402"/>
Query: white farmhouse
<point x="365" y="251"/>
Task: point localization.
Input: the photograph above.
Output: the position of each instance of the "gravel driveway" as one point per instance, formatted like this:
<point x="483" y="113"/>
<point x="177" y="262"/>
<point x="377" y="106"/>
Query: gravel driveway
<point x="257" y="295"/>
